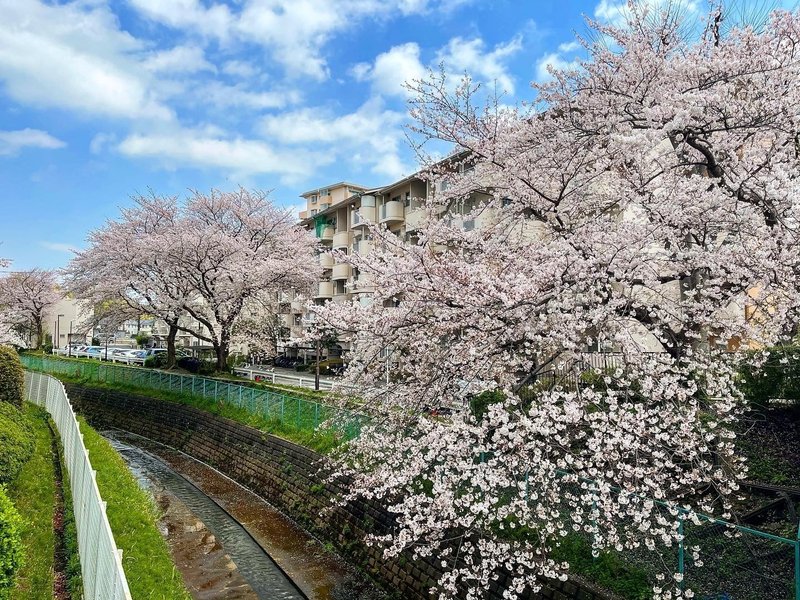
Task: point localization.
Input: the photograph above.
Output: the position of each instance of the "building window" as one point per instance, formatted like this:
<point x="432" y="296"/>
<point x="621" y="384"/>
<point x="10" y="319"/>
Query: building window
<point x="396" y="199"/>
<point x="314" y="199"/>
<point x="407" y="201"/>
<point x="313" y="211"/>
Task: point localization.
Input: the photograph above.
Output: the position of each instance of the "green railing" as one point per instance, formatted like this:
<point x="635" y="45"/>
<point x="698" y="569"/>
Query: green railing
<point x="291" y="411"/>
<point x="735" y="562"/>
<point x="738" y="563"/>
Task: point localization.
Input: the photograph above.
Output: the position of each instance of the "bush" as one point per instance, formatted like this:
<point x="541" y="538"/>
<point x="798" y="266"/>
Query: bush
<point x="189" y="363"/>
<point x="778" y="378"/>
<point x="16" y="442"/>
<point x="12" y="377"/>
<point x="479" y="405"/>
<point x="11" y="555"/>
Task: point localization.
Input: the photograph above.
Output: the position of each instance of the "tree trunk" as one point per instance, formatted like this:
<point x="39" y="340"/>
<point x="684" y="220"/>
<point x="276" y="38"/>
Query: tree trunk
<point x="39" y="327"/>
<point x="173" y="332"/>
<point x="222" y="349"/>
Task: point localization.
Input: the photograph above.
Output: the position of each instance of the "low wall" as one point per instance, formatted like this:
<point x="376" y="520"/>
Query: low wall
<point x="287" y="475"/>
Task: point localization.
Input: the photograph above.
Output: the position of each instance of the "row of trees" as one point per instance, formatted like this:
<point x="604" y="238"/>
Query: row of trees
<point x="220" y="258"/>
<point x="649" y="199"/>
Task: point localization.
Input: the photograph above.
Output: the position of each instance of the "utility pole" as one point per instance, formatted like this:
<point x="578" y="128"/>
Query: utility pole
<point x="69" y="341"/>
<point x="316" y="378"/>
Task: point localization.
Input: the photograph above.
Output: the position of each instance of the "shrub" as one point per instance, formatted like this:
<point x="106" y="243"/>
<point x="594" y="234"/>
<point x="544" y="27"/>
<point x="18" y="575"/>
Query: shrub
<point x="12" y="377"/>
<point x="10" y="544"/>
<point x="16" y="442"/>
<point x="779" y="377"/>
<point x="189" y="363"/>
<point x="479" y="405"/>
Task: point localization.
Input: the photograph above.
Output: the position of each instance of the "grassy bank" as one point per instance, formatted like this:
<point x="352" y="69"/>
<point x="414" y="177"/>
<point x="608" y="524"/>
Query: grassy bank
<point x="33" y="493"/>
<point x="134" y="520"/>
<point x="321" y="440"/>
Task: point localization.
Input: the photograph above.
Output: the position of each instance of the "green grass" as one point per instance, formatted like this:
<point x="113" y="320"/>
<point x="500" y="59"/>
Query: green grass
<point x="33" y="493"/>
<point x="322" y="440"/>
<point x="608" y="570"/>
<point x="134" y="521"/>
<point x="293" y="418"/>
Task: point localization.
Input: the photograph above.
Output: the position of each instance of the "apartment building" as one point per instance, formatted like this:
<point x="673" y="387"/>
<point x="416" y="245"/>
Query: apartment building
<point x="321" y="199"/>
<point x="339" y="215"/>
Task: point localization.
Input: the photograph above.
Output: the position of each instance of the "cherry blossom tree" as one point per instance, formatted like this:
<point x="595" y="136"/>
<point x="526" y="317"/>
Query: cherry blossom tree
<point x="647" y="201"/>
<point x="25" y="297"/>
<point x="236" y="250"/>
<point x="129" y="269"/>
<point x="217" y="258"/>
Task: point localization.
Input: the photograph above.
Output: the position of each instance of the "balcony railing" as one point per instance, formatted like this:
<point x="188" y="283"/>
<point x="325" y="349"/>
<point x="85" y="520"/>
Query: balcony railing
<point x="341" y="239"/>
<point x="392" y="212"/>
<point x="340" y="271"/>
<point x="324" y="290"/>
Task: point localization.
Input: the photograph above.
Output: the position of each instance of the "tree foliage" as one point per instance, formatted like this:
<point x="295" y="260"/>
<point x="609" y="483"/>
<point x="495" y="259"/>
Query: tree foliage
<point x="12" y="377"/>
<point x="25" y="297"/>
<point x="647" y="201"/>
<point x="216" y="257"/>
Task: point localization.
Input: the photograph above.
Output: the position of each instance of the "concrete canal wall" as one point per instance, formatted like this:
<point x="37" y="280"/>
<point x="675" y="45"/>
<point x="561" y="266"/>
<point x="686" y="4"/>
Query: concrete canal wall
<point x="288" y="476"/>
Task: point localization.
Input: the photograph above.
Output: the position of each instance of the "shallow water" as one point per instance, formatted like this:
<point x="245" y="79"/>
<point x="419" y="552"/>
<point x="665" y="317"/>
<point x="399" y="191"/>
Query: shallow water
<point x="270" y="556"/>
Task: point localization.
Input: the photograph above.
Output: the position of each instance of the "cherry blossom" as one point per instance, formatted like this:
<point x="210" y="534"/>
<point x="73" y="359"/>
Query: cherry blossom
<point x="646" y="203"/>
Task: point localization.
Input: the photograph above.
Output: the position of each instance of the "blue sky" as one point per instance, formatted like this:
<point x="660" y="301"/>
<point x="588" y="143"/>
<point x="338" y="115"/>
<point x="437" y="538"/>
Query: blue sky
<point x="103" y="99"/>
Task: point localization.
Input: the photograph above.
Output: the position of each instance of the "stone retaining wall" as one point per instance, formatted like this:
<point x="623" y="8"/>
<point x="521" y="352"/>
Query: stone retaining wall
<point x="287" y="475"/>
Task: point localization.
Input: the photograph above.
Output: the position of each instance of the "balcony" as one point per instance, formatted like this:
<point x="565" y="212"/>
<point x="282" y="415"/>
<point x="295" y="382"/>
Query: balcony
<point x="298" y="306"/>
<point x="362" y="246"/>
<point x="324" y="290"/>
<point x="287" y="320"/>
<point x="341" y="271"/>
<point x="341" y="239"/>
<point x="413" y="218"/>
<point x="341" y="298"/>
<point x="392" y="212"/>
<point x="326" y="234"/>
<point x="325" y="260"/>
<point x="363" y="285"/>
<point x="364" y="216"/>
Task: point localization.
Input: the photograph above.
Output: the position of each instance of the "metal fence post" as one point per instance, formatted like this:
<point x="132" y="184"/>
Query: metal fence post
<point x="797" y="565"/>
<point x="680" y="549"/>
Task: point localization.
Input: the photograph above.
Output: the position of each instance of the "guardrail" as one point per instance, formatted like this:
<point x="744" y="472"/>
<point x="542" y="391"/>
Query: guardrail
<point x="278" y="378"/>
<point x="302" y="414"/>
<point x="101" y="560"/>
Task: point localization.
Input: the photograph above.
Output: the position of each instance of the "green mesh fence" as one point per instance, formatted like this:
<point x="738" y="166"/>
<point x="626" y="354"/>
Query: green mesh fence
<point x="734" y="562"/>
<point x="291" y="411"/>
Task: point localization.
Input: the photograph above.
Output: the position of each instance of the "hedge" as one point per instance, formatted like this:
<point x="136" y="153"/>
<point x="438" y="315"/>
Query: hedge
<point x="16" y="442"/>
<point x="12" y="377"/>
<point x="10" y="544"/>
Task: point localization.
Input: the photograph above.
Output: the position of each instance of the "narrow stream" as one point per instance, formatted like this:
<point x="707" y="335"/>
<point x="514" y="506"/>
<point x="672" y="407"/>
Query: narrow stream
<point x="235" y="545"/>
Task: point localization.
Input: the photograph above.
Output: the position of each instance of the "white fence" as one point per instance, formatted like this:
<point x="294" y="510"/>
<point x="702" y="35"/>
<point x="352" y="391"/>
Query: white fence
<point x="101" y="561"/>
<point x="276" y="377"/>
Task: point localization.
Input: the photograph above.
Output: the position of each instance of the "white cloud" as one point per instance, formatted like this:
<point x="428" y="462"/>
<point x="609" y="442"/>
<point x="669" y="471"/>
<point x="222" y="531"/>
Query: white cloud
<point x="402" y="64"/>
<point x="59" y="247"/>
<point x="238" y="96"/>
<point x="392" y="69"/>
<point x="616" y="12"/>
<point x="371" y="135"/>
<point x="293" y="31"/>
<point x="180" y="59"/>
<point x="238" y="68"/>
<point x="555" y="61"/>
<point x="11" y="142"/>
<point x="204" y="148"/>
<point x="215" y="21"/>
<point x="461" y="55"/>
<point x="101" y="141"/>
<point x="73" y="56"/>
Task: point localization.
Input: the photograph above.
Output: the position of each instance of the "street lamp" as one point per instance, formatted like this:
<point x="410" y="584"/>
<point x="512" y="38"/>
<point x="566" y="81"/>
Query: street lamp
<point x="57" y="343"/>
